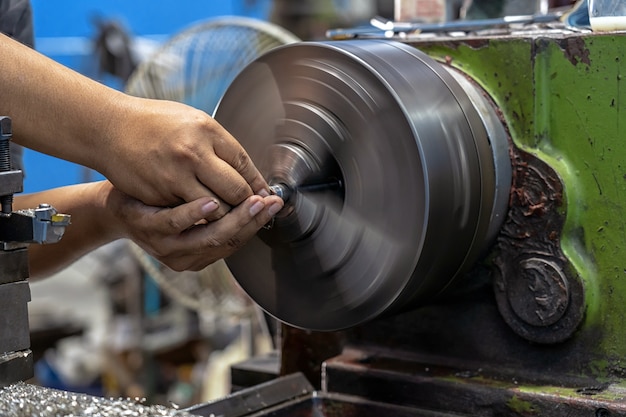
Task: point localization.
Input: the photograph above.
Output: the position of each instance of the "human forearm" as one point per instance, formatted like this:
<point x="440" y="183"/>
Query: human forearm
<point x="160" y="152"/>
<point x="178" y="237"/>
<point x="54" y="109"/>
<point x="92" y="224"/>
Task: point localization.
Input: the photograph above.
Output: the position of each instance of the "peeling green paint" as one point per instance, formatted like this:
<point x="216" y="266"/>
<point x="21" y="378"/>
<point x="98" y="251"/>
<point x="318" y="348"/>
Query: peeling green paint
<point x="520" y="406"/>
<point x="522" y="394"/>
<point x="581" y="120"/>
<point x="601" y="393"/>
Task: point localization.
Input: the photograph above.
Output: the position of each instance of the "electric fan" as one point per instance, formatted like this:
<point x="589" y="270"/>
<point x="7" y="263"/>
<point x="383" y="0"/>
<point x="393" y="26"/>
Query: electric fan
<point x="196" y="66"/>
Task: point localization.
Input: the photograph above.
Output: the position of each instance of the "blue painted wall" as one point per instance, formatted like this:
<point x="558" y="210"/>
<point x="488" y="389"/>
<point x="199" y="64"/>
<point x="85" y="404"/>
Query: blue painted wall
<point x="64" y="31"/>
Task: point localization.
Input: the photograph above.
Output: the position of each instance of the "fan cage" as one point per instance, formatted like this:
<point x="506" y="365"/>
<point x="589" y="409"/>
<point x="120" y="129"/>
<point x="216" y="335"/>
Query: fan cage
<point x="196" y="66"/>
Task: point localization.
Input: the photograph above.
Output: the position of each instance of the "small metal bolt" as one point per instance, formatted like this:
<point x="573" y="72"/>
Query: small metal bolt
<point x="281" y="190"/>
<point x="5" y="137"/>
<point x="6" y="201"/>
<point x="5" y="127"/>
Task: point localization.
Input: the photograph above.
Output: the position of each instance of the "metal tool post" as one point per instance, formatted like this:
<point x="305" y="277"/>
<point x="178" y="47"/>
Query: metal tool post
<point x="17" y="230"/>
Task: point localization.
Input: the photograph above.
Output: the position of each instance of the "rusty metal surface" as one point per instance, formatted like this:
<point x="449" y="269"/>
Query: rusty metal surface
<point x="538" y="293"/>
<point x="385" y="377"/>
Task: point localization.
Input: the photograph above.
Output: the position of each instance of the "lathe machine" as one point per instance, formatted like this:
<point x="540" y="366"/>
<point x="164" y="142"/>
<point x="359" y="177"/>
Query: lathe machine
<point x="453" y="240"/>
<point x="454" y="217"/>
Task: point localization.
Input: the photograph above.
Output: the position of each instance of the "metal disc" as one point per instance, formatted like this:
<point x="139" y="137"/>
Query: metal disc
<point x="389" y="172"/>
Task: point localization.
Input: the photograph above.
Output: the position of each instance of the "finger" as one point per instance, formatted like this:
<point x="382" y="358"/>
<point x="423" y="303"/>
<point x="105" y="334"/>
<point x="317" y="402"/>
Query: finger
<point x="202" y="245"/>
<point x="245" y="167"/>
<point x="235" y="156"/>
<point x="197" y="191"/>
<point x="205" y="241"/>
<point x="242" y="223"/>
<point x="233" y="230"/>
<point x="217" y="180"/>
<point x="218" y="213"/>
<point x="173" y="221"/>
<point x="224" y="181"/>
<point x="231" y="151"/>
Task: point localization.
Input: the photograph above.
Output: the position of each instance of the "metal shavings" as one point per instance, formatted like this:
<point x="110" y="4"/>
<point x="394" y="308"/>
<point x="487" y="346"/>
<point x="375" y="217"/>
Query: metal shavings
<point x="25" y="400"/>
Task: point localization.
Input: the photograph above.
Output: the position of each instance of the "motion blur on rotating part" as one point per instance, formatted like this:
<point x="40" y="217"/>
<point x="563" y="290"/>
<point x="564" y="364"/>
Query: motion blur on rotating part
<point x="394" y="169"/>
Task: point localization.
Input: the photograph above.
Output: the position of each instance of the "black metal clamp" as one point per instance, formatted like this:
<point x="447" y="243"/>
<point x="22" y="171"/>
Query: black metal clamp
<point x="17" y="230"/>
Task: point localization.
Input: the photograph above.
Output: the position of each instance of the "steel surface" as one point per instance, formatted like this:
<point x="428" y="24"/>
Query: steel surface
<point x="14" y="332"/>
<point x="15" y="366"/>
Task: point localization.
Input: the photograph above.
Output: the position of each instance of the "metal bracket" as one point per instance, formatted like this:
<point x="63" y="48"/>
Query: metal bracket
<point x="538" y="292"/>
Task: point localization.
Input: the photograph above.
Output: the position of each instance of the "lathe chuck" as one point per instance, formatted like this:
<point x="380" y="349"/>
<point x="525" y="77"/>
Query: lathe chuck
<point x="395" y="171"/>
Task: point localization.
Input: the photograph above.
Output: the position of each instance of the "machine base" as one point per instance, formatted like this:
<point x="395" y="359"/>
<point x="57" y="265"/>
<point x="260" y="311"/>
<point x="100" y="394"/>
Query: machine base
<point x="476" y="392"/>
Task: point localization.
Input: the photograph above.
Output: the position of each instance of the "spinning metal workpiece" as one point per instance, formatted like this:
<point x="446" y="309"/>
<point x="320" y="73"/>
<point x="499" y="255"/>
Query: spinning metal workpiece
<point x="394" y="170"/>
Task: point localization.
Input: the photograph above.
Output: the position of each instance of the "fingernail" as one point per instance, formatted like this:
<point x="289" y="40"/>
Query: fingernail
<point x="263" y="193"/>
<point x="256" y="208"/>
<point x="274" y="208"/>
<point x="210" y="206"/>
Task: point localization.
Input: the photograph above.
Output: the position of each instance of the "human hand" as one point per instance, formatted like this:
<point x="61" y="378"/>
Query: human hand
<point x="180" y="238"/>
<point x="167" y="153"/>
<point x="161" y="152"/>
